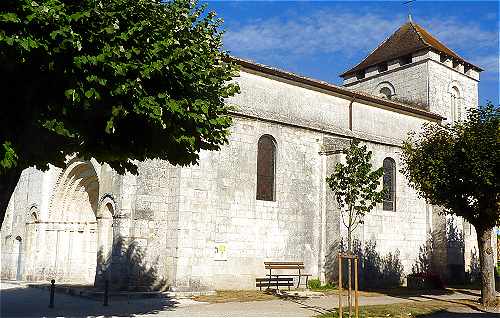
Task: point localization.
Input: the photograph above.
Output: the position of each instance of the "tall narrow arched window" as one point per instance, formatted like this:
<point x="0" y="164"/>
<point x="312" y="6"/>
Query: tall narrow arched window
<point x="389" y="184"/>
<point x="266" y="167"/>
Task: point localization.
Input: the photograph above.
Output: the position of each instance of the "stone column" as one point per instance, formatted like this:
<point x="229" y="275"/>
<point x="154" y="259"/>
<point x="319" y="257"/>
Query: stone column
<point x="332" y="150"/>
<point x="104" y="250"/>
<point x="119" y="264"/>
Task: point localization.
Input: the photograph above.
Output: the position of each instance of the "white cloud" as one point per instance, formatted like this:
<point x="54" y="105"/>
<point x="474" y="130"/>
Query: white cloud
<point x="347" y="33"/>
<point x="465" y="36"/>
<point x="321" y="32"/>
<point x="490" y="64"/>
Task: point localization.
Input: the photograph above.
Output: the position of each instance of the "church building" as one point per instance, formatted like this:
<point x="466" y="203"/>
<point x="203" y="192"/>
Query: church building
<point x="263" y="196"/>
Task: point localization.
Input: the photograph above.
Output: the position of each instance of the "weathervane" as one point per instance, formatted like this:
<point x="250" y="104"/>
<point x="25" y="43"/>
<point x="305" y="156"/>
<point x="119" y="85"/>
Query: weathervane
<point x="409" y="3"/>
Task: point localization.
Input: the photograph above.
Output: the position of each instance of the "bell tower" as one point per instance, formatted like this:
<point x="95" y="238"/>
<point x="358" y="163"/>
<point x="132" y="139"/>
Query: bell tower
<point x="413" y="67"/>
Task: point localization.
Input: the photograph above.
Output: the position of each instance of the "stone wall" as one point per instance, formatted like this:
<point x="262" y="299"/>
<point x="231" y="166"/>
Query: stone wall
<point x="404" y="229"/>
<point x="409" y="83"/>
<point x="441" y="79"/>
<point x="218" y="206"/>
<point x="149" y="223"/>
<point x="16" y="238"/>
<point x="217" y="197"/>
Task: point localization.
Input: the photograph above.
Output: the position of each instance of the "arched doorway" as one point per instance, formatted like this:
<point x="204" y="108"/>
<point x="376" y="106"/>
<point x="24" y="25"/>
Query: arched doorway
<point x="72" y="227"/>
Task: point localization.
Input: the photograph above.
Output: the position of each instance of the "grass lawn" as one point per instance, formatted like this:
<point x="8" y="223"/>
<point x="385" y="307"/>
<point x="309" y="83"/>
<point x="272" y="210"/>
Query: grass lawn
<point x="410" y="309"/>
<point x="226" y="296"/>
<point x="401" y="291"/>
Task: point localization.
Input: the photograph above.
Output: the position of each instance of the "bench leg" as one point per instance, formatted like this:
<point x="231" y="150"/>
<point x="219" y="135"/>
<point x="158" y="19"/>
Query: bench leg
<point x="307" y="279"/>
<point x="298" y="282"/>
<point x="269" y="281"/>
<point x="277" y="283"/>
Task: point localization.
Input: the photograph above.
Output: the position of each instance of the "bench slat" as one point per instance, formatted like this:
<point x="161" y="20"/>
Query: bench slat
<point x="284" y="267"/>
<point x="264" y="284"/>
<point x="281" y="279"/>
<point x="292" y="275"/>
<point x="283" y="263"/>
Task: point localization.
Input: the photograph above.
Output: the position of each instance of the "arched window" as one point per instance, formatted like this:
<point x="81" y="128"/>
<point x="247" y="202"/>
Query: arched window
<point x="385" y="92"/>
<point x="266" y="167"/>
<point x="389" y="184"/>
<point x="33" y="214"/>
<point x="455" y="104"/>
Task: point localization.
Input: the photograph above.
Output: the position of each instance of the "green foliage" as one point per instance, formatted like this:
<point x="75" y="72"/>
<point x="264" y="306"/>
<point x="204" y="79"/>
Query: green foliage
<point x="355" y="186"/>
<point x="8" y="157"/>
<point x="315" y="284"/>
<point x="456" y="166"/>
<point x="116" y="80"/>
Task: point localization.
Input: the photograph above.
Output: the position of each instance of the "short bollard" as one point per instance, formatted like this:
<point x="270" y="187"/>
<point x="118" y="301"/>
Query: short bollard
<point x="106" y="290"/>
<point x="52" y="289"/>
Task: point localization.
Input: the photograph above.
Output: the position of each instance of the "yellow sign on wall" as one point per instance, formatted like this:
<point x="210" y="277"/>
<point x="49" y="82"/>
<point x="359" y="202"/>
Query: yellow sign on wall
<point x="220" y="251"/>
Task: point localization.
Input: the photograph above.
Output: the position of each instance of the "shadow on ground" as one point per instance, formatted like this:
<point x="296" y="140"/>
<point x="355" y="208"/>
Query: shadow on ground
<point x="447" y="314"/>
<point x="319" y="310"/>
<point x="457" y="302"/>
<point x="406" y="293"/>
<point x="33" y="302"/>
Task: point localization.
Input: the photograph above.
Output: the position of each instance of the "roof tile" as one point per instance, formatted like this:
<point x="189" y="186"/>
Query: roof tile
<point x="408" y="39"/>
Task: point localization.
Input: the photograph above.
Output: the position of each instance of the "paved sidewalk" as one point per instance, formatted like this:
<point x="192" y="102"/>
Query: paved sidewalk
<point x="20" y="301"/>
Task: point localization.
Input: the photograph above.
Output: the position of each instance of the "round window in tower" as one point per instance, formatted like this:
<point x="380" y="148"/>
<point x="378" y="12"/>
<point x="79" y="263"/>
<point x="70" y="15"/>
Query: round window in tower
<point x="385" y="92"/>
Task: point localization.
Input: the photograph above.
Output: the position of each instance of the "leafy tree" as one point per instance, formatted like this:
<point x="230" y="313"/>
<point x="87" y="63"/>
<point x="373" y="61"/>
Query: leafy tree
<point x="355" y="187"/>
<point x="116" y="80"/>
<point x="456" y="167"/>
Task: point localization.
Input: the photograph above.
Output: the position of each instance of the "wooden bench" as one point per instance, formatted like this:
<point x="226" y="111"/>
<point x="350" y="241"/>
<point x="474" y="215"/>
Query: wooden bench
<point x="299" y="266"/>
<point x="277" y="281"/>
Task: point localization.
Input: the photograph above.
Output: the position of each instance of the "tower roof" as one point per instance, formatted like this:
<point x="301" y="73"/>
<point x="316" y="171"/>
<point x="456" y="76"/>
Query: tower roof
<point x="409" y="38"/>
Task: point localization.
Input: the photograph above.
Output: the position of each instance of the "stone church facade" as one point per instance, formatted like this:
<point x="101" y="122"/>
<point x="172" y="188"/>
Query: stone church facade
<point x="263" y="196"/>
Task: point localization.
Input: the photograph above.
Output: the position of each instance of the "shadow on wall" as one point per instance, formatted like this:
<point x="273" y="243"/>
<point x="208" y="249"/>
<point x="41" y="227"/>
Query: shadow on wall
<point x="126" y="268"/>
<point x="443" y="255"/>
<point x="374" y="270"/>
<point x="473" y="275"/>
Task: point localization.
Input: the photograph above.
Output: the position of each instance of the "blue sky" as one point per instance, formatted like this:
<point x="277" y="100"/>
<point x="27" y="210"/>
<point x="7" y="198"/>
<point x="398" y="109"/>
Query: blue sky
<point x="321" y="39"/>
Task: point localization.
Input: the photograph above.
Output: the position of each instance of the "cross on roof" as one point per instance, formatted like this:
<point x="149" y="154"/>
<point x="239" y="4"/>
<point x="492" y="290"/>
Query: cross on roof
<point x="409" y="3"/>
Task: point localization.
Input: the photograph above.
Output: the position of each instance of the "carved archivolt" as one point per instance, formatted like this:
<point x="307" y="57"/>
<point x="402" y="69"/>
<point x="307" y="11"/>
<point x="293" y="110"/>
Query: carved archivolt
<point x="75" y="196"/>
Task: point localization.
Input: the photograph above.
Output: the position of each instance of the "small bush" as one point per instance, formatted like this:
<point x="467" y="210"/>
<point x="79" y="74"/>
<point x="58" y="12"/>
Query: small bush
<point x="315" y="284"/>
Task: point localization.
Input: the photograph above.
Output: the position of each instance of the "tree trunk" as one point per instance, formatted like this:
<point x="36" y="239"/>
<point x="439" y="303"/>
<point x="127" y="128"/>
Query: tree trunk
<point x="349" y="251"/>
<point x="349" y="239"/>
<point x="488" y="293"/>
<point x="8" y="182"/>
